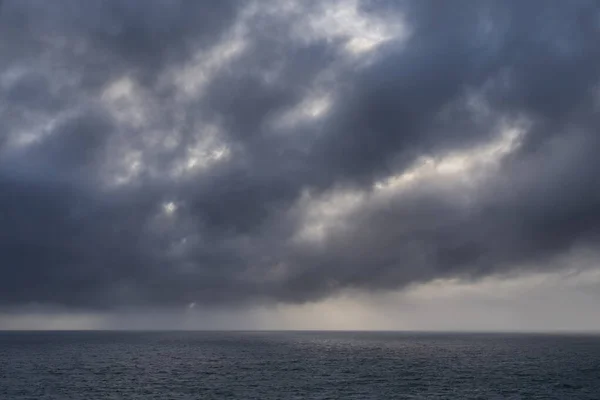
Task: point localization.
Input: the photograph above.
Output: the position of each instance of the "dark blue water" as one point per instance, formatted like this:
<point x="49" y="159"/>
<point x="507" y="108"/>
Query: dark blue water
<point x="297" y="365"/>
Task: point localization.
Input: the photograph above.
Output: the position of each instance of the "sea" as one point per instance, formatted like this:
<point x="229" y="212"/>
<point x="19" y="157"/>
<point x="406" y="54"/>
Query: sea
<point x="297" y="365"/>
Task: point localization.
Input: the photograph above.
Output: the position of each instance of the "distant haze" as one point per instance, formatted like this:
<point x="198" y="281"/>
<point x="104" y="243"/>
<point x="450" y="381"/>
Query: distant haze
<point x="276" y="164"/>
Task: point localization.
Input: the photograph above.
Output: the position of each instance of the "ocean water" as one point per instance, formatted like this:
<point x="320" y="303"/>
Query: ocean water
<point x="297" y="365"/>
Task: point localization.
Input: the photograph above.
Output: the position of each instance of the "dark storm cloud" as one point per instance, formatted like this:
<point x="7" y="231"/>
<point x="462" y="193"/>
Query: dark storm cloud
<point x="75" y="235"/>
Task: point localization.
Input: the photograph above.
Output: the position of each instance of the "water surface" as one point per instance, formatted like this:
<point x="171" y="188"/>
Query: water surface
<point x="297" y="365"/>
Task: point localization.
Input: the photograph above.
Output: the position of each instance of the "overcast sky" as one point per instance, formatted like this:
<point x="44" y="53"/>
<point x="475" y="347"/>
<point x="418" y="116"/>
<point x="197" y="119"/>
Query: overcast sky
<point x="274" y="164"/>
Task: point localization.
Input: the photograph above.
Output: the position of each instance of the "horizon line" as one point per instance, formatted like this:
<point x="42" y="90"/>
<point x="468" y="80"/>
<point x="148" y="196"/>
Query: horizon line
<point x="399" y="331"/>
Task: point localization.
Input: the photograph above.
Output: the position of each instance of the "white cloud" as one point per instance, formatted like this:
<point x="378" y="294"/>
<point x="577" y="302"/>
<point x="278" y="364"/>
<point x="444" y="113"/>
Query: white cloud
<point x="314" y="107"/>
<point x="462" y="171"/>
<point x="191" y="78"/>
<point x="126" y="102"/>
<point x="206" y="150"/>
<point x="342" y="20"/>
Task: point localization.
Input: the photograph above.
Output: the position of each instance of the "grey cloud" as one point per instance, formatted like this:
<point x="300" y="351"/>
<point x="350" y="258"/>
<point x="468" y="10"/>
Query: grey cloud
<point x="226" y="232"/>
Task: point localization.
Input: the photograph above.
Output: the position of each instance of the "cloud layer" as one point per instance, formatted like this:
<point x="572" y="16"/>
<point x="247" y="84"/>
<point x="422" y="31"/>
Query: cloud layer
<point x="161" y="153"/>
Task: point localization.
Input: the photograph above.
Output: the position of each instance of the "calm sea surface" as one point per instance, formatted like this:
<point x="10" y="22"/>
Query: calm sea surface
<point x="297" y="365"/>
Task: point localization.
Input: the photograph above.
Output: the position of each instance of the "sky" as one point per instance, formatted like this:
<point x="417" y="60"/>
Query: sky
<point x="278" y="164"/>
